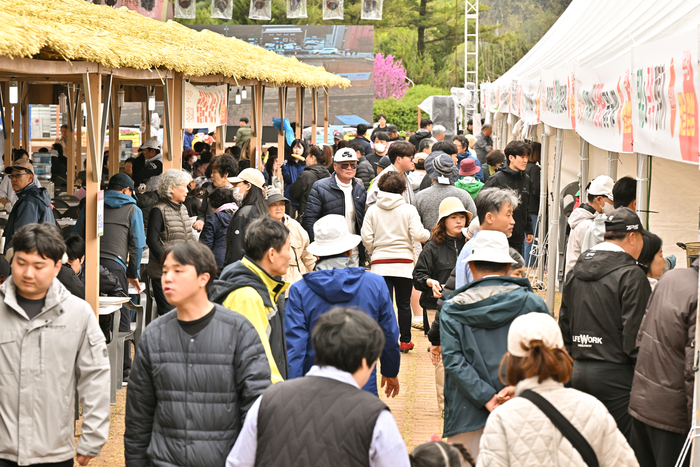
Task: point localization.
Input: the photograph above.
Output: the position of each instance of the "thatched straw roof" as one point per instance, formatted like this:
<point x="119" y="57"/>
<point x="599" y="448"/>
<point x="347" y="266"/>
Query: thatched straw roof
<point x="120" y="38"/>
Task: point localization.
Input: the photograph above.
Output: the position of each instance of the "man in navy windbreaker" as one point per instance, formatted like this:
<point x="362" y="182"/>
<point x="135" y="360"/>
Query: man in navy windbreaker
<point x="334" y="284"/>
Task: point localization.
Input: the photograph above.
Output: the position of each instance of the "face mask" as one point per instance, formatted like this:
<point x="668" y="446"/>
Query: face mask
<point x="379" y="147"/>
<point x="237" y="196"/>
<point x="194" y="159"/>
<point x="608" y="208"/>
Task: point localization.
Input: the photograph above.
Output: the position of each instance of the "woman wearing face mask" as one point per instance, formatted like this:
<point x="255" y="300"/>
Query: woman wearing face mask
<point x="301" y="261"/>
<point x="222" y="168"/>
<point x="291" y="169"/>
<point x="249" y="195"/>
<point x="189" y="157"/>
<point x="316" y="169"/>
<point x="651" y="259"/>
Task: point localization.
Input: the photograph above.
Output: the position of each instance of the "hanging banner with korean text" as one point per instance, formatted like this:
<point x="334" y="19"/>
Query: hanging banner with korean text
<point x="558" y="108"/>
<point x="504" y="98"/>
<point x="530" y="102"/>
<point x="514" y="97"/>
<point x="204" y="107"/>
<point x="604" y="105"/>
<point x="489" y="97"/>
<point x="665" y="102"/>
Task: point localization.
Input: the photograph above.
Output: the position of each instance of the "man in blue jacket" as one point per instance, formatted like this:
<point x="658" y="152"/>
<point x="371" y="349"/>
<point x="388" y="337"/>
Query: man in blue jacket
<point x="33" y="204"/>
<point x="334" y="284"/>
<point x="474" y="326"/>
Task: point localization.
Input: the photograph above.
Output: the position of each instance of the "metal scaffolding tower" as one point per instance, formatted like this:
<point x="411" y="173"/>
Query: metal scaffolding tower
<point x="471" y="55"/>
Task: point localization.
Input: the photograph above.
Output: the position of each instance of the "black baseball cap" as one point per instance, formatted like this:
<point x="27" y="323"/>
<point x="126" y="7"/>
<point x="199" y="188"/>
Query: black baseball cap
<point x="624" y="220"/>
<point x="122" y="180"/>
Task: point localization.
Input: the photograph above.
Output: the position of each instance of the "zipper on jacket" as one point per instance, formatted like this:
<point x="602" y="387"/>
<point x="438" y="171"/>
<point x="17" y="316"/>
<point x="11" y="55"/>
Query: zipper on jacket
<point x="41" y="351"/>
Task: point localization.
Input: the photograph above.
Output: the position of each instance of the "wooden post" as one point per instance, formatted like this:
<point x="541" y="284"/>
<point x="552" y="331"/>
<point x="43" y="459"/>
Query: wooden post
<point x="325" y="116"/>
<point x="259" y="96"/>
<point x="253" y="128"/>
<point x="114" y="148"/>
<point x="26" y="122"/>
<point x="7" y="124"/>
<point x="282" y="106"/>
<point x="70" y="141"/>
<point x="92" y="87"/>
<point x="77" y="160"/>
<point x="16" y="121"/>
<point x="176" y="121"/>
<point x="419" y="118"/>
<point x="146" y="116"/>
<point x="299" y="112"/>
<point x="314" y="107"/>
<point x="167" y="127"/>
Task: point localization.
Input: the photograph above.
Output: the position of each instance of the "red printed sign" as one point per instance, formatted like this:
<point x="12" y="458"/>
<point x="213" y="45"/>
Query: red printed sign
<point x="204" y="107"/>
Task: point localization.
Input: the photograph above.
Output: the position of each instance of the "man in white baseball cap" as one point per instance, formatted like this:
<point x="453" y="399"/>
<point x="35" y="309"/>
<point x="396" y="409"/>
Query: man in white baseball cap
<point x="474" y="326"/>
<point x="335" y="283"/>
<point x="151" y="163"/>
<point x="600" y="200"/>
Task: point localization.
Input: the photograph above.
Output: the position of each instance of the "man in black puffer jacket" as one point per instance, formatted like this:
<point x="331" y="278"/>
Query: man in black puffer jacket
<point x="340" y="194"/>
<point x="513" y="176"/>
<point x="198" y="369"/>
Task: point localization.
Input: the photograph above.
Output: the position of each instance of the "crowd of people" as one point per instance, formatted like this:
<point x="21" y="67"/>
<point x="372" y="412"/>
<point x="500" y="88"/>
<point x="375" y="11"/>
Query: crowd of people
<point x="279" y="288"/>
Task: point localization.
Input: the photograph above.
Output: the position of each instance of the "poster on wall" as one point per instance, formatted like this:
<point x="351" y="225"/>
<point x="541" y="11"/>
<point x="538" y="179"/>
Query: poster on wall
<point x="530" y="102"/>
<point x="665" y="103"/>
<point x="604" y="105"/>
<point x="204" y="107"/>
<point x="558" y="108"/>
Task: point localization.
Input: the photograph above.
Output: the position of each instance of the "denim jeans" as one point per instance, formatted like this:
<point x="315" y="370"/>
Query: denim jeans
<point x="527" y="247"/>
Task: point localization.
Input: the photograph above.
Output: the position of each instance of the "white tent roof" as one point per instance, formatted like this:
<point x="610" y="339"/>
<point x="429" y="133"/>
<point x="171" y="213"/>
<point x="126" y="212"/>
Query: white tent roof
<point x="594" y="32"/>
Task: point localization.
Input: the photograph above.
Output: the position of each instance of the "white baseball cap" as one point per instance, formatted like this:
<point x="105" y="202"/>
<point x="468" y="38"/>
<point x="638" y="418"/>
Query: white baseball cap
<point x="533" y="326"/>
<point x="332" y="237"/>
<point x="151" y="143"/>
<point x="250" y="175"/>
<point x="491" y="246"/>
<point x="601" y="186"/>
<point x="345" y="155"/>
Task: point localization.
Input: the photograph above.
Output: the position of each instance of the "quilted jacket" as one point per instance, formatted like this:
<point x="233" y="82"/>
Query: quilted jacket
<point x="327" y="198"/>
<point x="519" y="434"/>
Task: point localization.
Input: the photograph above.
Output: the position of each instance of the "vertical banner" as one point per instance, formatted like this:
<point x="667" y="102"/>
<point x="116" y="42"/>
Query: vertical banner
<point x="372" y="10"/>
<point x="296" y="9"/>
<point x="514" y="97"/>
<point x="489" y="97"/>
<point x="204" y="107"/>
<point x="503" y="95"/>
<point x="530" y="102"/>
<point x="604" y="105"/>
<point x="332" y="9"/>
<point x="559" y="107"/>
<point x="259" y="9"/>
<point x="665" y="110"/>
<point x="185" y="9"/>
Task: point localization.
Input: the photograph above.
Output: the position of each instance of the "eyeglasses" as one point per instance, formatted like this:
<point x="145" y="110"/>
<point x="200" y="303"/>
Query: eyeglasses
<point x="15" y="176"/>
<point x="348" y="166"/>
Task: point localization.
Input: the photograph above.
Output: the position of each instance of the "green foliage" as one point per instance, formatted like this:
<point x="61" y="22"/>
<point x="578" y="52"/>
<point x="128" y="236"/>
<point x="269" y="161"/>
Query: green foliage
<point x="404" y="113"/>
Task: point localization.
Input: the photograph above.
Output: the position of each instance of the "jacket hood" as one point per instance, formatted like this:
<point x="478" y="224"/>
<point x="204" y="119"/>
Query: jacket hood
<point x="422" y="132"/>
<point x="579" y="215"/>
<point x="389" y="201"/>
<point x="599" y="263"/>
<point x="335" y="285"/>
<point x="239" y="274"/>
<point x="320" y="170"/>
<point x="39" y="193"/>
<point x="114" y="199"/>
<point x="55" y="296"/>
<point x="491" y="302"/>
<point x="513" y="173"/>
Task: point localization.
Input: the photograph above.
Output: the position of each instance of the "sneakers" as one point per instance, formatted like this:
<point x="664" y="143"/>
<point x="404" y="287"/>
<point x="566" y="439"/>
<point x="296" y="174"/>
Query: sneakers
<point x="406" y="346"/>
<point x="417" y="323"/>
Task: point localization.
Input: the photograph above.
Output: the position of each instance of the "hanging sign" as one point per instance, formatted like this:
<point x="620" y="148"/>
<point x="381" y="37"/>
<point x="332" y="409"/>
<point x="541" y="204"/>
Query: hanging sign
<point x="530" y="102"/>
<point x="221" y="9"/>
<point x="100" y="213"/>
<point x="332" y="9"/>
<point x="260" y="10"/>
<point x="503" y="98"/>
<point x="604" y="105"/>
<point x="185" y="9"/>
<point x="665" y="110"/>
<point x="371" y="10"/>
<point x="514" y="97"/>
<point x="296" y="9"/>
<point x="489" y="97"/>
<point x="558" y="108"/>
<point x="204" y="107"/>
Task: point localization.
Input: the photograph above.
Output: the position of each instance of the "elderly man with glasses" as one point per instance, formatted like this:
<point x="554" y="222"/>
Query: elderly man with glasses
<point x="33" y="203"/>
<point x="340" y="194"/>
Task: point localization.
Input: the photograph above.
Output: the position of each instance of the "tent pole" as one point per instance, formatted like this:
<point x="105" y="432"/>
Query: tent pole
<point x="554" y="224"/>
<point x="542" y="229"/>
<point x="612" y="165"/>
<point x="584" y="179"/>
<point x="643" y="162"/>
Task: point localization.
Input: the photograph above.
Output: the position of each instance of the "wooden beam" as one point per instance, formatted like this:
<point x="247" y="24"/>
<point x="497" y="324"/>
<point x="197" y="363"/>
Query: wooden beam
<point x="29" y="66"/>
<point x="314" y="107"/>
<point x="24" y="109"/>
<point x="282" y="106"/>
<point x="325" y="116"/>
<point x="76" y="163"/>
<point x="70" y="140"/>
<point x="259" y="90"/>
<point x="176" y="120"/>
<point x="167" y="126"/>
<point x="221" y="134"/>
<point x="253" y="128"/>
<point x="114" y="147"/>
<point x="299" y="113"/>
<point x="92" y="242"/>
<point x="7" y="124"/>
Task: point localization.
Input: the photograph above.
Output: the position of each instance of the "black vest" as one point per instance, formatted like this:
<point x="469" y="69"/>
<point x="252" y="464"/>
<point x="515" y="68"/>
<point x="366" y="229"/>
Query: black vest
<point x="316" y="421"/>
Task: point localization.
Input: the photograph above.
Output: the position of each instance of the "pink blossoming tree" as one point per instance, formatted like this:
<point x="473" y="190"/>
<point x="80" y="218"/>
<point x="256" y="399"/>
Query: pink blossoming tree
<point x="389" y="78"/>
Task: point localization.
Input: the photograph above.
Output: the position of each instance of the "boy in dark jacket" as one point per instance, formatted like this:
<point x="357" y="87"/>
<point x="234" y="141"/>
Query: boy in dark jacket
<point x="602" y="307"/>
<point x="214" y="232"/>
<point x="197" y="371"/>
<point x="474" y="326"/>
<point x="513" y="176"/>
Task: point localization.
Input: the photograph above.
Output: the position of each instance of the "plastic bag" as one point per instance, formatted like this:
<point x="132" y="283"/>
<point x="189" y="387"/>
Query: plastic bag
<point x="260" y="9"/>
<point x="185" y="9"/>
<point x="149" y="8"/>
<point x="332" y="9"/>
<point x="296" y="9"/>
<point x="222" y="9"/>
<point x="372" y="9"/>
